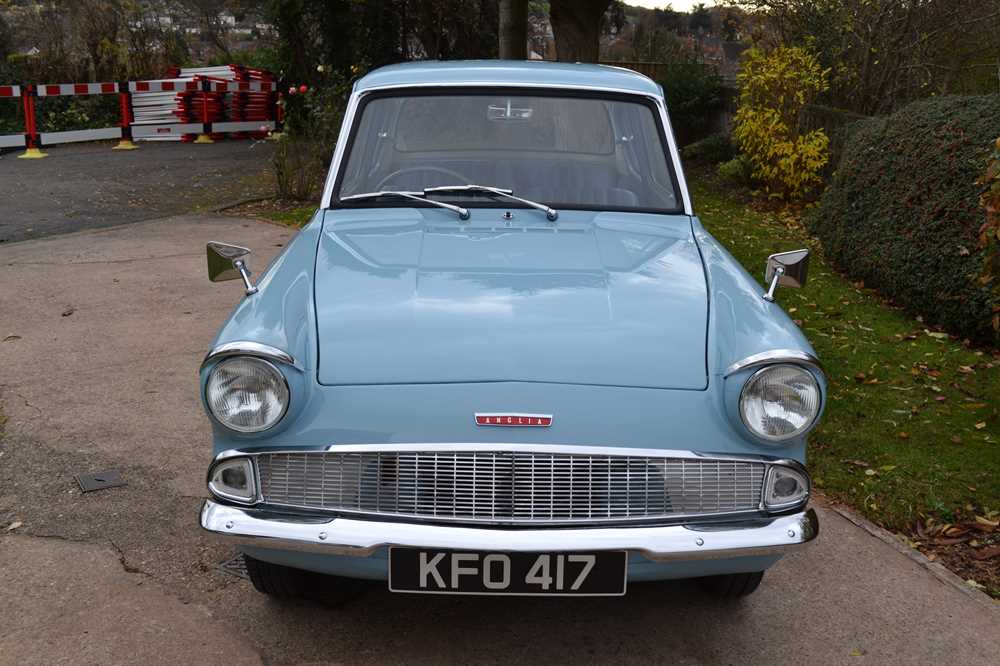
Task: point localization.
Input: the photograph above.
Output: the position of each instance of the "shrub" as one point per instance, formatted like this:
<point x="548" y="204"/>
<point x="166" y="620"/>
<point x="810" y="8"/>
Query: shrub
<point x="304" y="148"/>
<point x="714" y="149"/>
<point x="903" y="210"/>
<point x="695" y="96"/>
<point x="737" y="171"/>
<point x="989" y="233"/>
<point x="774" y="88"/>
<point x="838" y="124"/>
<point x="298" y="167"/>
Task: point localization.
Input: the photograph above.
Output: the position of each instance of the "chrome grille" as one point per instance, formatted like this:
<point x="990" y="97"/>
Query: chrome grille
<point x="510" y="486"/>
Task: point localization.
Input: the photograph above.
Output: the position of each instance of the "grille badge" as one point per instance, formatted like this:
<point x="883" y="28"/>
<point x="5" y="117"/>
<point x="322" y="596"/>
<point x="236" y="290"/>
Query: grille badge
<point x="505" y="419"/>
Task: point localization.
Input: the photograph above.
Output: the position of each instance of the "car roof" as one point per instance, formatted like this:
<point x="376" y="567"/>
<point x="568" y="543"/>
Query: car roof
<point x="509" y="72"/>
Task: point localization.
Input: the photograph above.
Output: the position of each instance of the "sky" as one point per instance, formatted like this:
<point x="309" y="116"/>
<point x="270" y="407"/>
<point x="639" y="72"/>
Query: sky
<point x="679" y="5"/>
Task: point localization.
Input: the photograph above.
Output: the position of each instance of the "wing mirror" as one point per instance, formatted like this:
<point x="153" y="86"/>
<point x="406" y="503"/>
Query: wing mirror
<point x="225" y="262"/>
<point x="789" y="269"/>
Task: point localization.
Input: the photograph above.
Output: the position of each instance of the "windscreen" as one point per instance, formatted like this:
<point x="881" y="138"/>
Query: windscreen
<point x="565" y="151"/>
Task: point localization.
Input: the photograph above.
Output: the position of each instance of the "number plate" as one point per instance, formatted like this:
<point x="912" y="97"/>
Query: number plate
<point x="524" y="574"/>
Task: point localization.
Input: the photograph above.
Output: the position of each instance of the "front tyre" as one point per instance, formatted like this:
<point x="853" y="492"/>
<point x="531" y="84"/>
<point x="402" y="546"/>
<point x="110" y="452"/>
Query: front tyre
<point x="732" y="586"/>
<point x="284" y="582"/>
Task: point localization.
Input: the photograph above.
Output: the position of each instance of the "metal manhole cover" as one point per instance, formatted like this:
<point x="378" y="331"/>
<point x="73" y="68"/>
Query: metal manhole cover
<point x="100" y="480"/>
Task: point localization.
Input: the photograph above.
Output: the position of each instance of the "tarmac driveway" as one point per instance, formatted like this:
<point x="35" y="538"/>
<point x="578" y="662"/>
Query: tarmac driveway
<point x="90" y="186"/>
<point x="101" y="335"/>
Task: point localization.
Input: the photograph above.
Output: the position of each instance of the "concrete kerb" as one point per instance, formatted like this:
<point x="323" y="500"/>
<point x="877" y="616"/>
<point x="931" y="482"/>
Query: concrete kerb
<point x="936" y="568"/>
<point x="239" y="202"/>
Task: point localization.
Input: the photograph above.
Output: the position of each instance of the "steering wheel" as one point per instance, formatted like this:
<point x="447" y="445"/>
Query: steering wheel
<point x="458" y="179"/>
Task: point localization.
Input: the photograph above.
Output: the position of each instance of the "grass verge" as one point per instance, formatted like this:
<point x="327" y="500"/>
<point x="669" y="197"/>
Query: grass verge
<point x="910" y="437"/>
<point x="291" y="213"/>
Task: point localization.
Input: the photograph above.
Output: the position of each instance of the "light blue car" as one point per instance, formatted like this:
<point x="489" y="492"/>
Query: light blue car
<point x="506" y="358"/>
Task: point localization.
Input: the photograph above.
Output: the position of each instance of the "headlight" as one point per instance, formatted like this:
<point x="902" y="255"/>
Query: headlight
<point x="246" y="394"/>
<point x="780" y="402"/>
<point x="786" y="487"/>
<point x="233" y="479"/>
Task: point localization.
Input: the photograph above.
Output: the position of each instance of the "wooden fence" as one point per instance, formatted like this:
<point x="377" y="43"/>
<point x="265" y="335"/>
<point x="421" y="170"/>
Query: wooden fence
<point x="837" y="123"/>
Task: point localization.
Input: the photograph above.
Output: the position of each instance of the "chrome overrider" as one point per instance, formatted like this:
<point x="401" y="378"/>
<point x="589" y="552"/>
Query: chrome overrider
<point x="697" y="539"/>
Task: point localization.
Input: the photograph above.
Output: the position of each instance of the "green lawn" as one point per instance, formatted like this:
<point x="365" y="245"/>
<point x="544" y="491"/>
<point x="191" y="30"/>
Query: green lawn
<point x="295" y="217"/>
<point x="911" y="426"/>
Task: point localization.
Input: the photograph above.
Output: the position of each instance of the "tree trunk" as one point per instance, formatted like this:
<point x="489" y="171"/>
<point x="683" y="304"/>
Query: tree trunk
<point x="514" y="29"/>
<point x="576" y="25"/>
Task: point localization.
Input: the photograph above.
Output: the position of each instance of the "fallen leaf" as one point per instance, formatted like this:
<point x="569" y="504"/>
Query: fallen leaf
<point x="992" y="524"/>
<point x="870" y="472"/>
<point x="856" y="652"/>
<point x="13" y="526"/>
<point x="951" y="542"/>
<point x="966" y="369"/>
<point x="936" y="335"/>
<point x="11" y="338"/>
<point x="955" y="439"/>
<point x="860" y="377"/>
<point x="904" y="435"/>
<point x="887" y="468"/>
<point x="68" y="311"/>
<point x="986" y="553"/>
<point x="980" y="425"/>
<point x="973" y="584"/>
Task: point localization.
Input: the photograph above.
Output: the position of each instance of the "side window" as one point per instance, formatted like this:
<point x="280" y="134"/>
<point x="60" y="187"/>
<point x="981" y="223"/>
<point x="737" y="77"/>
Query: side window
<point x="643" y="150"/>
<point x="371" y="142"/>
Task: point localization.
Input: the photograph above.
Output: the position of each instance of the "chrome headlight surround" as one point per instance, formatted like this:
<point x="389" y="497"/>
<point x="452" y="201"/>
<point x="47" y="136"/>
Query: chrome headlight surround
<point x="806" y="391"/>
<point x="234" y="479"/>
<point x="262" y="381"/>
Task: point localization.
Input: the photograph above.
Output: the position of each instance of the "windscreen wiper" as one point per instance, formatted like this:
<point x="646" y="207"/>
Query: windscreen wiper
<point x="550" y="213"/>
<point x="463" y="213"/>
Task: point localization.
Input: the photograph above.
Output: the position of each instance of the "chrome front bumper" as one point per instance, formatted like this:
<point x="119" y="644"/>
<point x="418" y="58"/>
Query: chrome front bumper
<point x="361" y="538"/>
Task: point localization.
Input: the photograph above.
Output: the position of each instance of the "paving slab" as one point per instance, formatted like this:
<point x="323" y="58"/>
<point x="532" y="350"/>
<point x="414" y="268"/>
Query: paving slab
<point x="73" y="603"/>
<point x="113" y="385"/>
<point x="102" y="333"/>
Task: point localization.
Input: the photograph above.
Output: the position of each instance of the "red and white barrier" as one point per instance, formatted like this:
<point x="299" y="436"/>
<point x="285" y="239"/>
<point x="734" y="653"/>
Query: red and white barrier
<point x="205" y="103"/>
<point x="11" y="140"/>
<point x="165" y="131"/>
<point x="165" y="85"/>
<point x="76" y="136"/>
<point x="72" y="89"/>
<point x="243" y="86"/>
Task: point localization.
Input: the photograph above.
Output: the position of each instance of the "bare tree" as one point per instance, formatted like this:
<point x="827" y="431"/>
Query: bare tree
<point x="884" y="53"/>
<point x="210" y="17"/>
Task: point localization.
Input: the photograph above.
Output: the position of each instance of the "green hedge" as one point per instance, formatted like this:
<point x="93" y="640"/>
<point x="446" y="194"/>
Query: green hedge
<point x="902" y="212"/>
